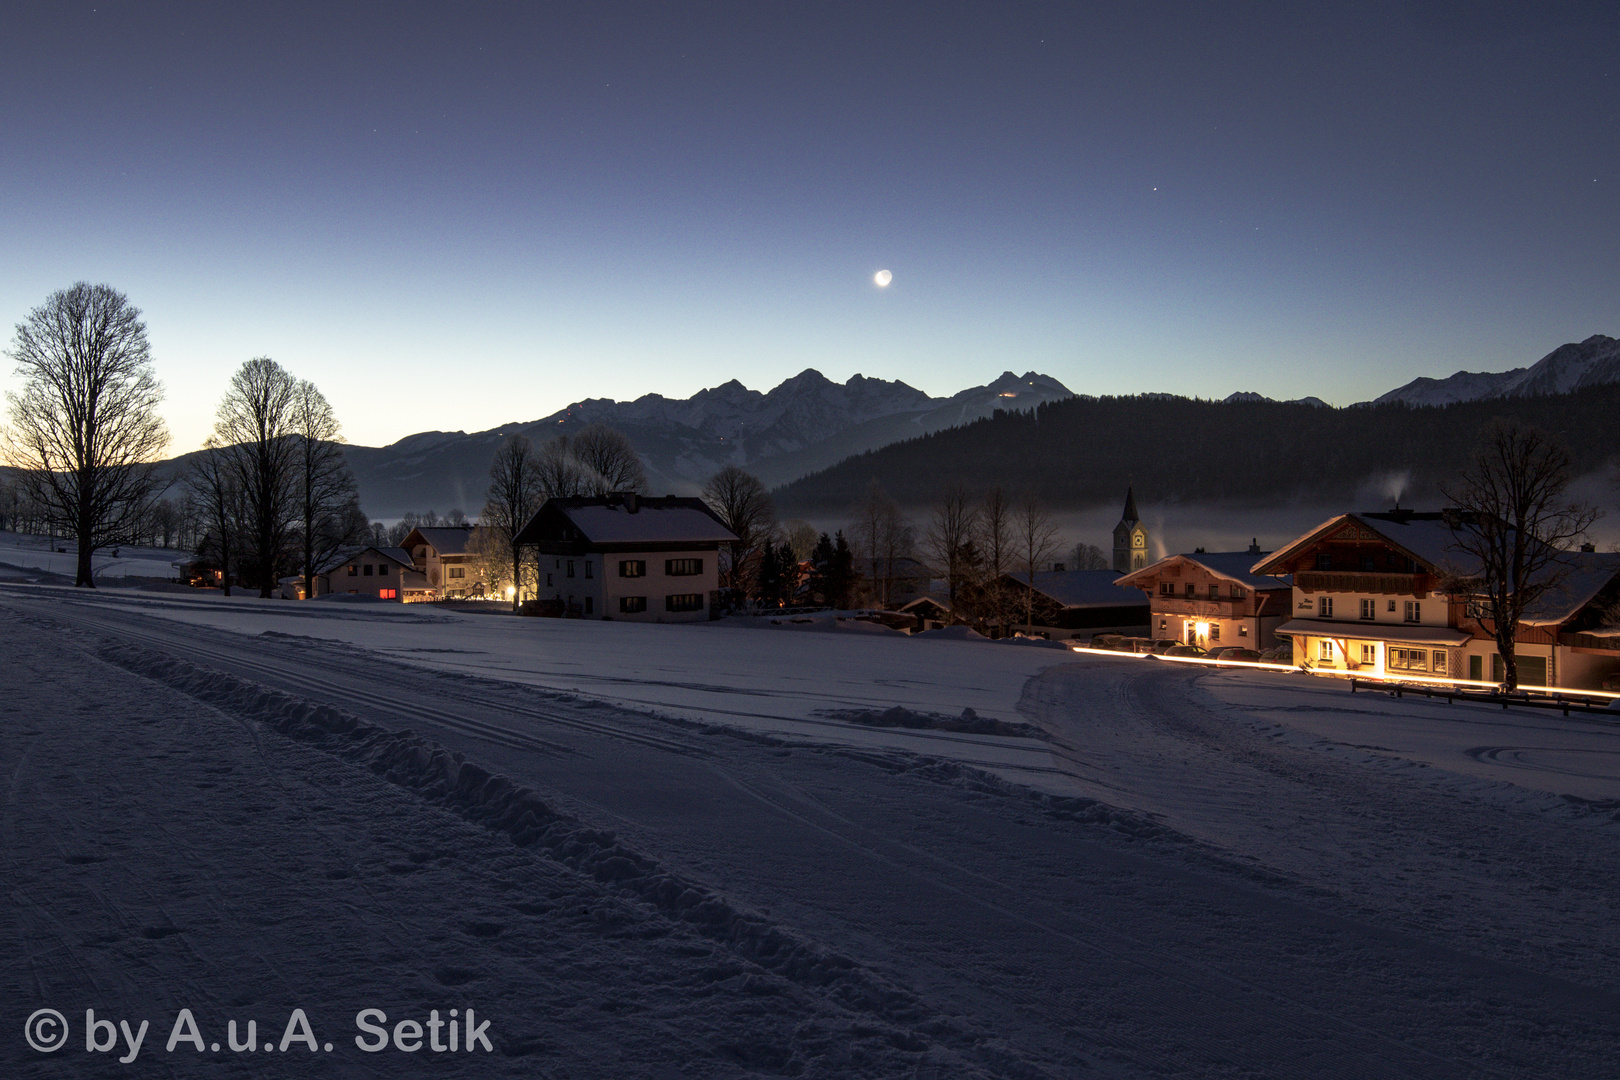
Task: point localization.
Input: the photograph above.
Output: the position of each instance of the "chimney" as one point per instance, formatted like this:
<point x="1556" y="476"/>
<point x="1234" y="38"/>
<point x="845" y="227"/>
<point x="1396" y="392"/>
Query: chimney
<point x="1254" y="546"/>
<point x="631" y="502"/>
<point x="1589" y="547"/>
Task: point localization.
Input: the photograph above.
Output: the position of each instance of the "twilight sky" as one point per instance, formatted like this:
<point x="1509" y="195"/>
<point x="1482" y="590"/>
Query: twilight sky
<point x="453" y="216"/>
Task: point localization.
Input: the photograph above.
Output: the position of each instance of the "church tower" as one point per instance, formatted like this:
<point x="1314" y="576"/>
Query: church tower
<point x="1130" y="538"/>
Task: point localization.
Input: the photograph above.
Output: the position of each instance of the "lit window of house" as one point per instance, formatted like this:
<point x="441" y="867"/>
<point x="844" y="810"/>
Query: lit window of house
<point x="684" y="601"/>
<point x="1214" y="629"/>
<point x="634" y="568"/>
<point x="1324" y="650"/>
<point x="631" y="605"/>
<point x="683" y="568"/>
<point x="1369" y="653"/>
<point x="1439" y="665"/>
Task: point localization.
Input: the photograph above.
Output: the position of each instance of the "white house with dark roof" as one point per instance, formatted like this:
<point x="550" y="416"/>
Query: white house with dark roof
<point x="624" y="556"/>
<point x="381" y="573"/>
<point x="1213" y="599"/>
<point x="445" y="556"/>
<point x="1365" y="598"/>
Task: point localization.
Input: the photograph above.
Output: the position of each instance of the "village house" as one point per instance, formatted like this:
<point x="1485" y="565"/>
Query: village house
<point x="1074" y="604"/>
<point x="1212" y="599"/>
<point x="381" y="573"/>
<point x="445" y="556"/>
<point x="1366" y="599"/>
<point x="624" y="556"/>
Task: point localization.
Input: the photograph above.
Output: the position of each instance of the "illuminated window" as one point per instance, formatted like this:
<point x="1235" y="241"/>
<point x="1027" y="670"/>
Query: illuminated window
<point x="683" y="568"/>
<point x="388" y="594"/>
<point x="1324" y="650"/>
<point x="630" y="605"/>
<point x="1439" y="665"/>
<point x="1369" y="654"/>
<point x="634" y="568"/>
<point x="1409" y="659"/>
<point x="684" y="601"/>
<point x="353" y="570"/>
<point x="1214" y="629"/>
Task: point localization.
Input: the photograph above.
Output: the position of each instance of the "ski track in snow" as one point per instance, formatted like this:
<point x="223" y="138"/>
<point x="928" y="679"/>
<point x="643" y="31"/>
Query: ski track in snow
<point x="647" y="851"/>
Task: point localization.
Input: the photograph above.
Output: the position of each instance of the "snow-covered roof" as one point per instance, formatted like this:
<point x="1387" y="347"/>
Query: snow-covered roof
<point x="345" y="556"/>
<point x="1231" y="565"/>
<point x="627" y="519"/>
<point x="1585" y="574"/>
<point x="1425" y="537"/>
<point x="1082" y="588"/>
<point x="446" y="540"/>
<point x="1409" y="633"/>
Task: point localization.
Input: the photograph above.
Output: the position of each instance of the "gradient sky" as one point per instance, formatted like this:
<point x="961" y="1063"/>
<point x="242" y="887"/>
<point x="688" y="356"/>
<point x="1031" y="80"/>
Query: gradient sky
<point x="458" y="215"/>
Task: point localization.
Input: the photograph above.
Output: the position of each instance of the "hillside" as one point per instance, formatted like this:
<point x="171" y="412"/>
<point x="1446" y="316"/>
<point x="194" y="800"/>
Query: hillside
<point x="1083" y="451"/>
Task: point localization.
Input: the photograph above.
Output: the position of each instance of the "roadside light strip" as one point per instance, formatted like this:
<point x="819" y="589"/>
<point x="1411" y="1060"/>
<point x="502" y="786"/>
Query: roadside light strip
<point x="1359" y="676"/>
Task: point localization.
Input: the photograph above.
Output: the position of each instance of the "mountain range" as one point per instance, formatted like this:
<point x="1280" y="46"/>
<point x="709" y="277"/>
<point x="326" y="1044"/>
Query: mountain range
<point x="805" y="424"/>
<point x="809" y="423"/>
<point x="1568" y="368"/>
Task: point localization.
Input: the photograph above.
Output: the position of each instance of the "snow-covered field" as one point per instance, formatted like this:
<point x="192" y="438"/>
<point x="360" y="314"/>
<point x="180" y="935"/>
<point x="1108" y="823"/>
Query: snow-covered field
<point x="38" y="558"/>
<point x="653" y="851"/>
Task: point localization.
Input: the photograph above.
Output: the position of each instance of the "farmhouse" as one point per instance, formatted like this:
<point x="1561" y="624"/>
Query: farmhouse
<point x="1074" y="603"/>
<point x="446" y="557"/>
<point x="381" y="573"/>
<point x="624" y="556"/>
<point x="1213" y="599"/>
<point x="1366" y="598"/>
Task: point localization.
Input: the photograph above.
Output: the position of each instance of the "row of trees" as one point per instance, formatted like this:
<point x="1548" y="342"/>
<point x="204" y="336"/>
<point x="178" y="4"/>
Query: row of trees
<point x="269" y="491"/>
<point x="275" y="491"/>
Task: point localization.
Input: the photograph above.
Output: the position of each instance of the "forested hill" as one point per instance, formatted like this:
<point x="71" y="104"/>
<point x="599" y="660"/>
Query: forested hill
<point x="1083" y="451"/>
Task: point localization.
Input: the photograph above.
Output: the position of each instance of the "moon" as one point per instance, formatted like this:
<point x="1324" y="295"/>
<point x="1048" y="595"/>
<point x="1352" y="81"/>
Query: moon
<point x="883" y="277"/>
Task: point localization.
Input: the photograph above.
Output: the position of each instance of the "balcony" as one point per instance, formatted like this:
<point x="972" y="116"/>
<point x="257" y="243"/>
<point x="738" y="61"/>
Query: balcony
<point x="1416" y="586"/>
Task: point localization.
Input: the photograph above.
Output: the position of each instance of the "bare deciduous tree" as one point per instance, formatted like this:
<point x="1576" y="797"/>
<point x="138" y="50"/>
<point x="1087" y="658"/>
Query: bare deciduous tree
<point x="744" y="507"/>
<point x="85" y="427"/>
<point x="949" y="539"/>
<point x="1036" y="541"/>
<point x="1088" y="557"/>
<point x="883" y="534"/>
<point x="559" y="474"/>
<point x="256" y="429"/>
<point x="609" y="462"/>
<point x="1516" y="521"/>
<point x="213" y="482"/>
<point x="516" y="491"/>
<point x="995" y="543"/>
<point x="326" y="489"/>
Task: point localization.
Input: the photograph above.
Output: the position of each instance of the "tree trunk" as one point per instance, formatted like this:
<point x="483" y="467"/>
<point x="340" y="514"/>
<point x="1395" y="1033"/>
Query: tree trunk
<point x="517" y="579"/>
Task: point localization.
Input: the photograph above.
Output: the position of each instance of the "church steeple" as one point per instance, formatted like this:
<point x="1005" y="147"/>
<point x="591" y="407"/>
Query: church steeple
<point x="1130" y="538"/>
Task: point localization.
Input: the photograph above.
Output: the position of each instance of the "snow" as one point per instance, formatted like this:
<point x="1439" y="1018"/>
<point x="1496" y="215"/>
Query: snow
<point x="19" y="552"/>
<point x="650" y="523"/>
<point x="711" y="850"/>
